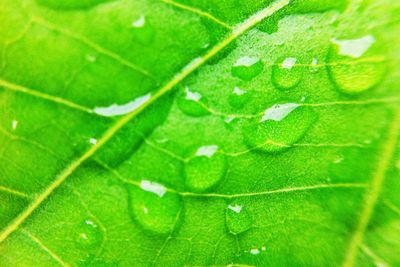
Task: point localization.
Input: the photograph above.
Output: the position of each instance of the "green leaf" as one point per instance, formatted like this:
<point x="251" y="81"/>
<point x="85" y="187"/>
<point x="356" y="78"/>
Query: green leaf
<point x="198" y="133"/>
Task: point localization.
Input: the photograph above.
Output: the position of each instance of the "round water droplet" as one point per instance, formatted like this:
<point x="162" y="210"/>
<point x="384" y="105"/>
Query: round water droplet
<point x="89" y="235"/>
<point x="246" y="68"/>
<point x="286" y="73"/>
<point x="238" y="98"/>
<point x="205" y="169"/>
<point x="237" y="218"/>
<point x="72" y="4"/>
<point x="154" y="208"/>
<point x="191" y="103"/>
<point x="279" y="127"/>
<point x="354" y="66"/>
<point x="142" y="30"/>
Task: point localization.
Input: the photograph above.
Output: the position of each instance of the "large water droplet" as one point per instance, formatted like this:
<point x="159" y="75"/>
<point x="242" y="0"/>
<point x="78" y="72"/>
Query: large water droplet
<point x="205" y="169"/>
<point x="191" y="103"/>
<point x="246" y="68"/>
<point x="353" y="64"/>
<point x="89" y="235"/>
<point x="71" y="4"/>
<point x="154" y="207"/>
<point x="279" y="127"/>
<point x="286" y="73"/>
<point x="142" y="30"/>
<point x="238" y="98"/>
<point x="238" y="220"/>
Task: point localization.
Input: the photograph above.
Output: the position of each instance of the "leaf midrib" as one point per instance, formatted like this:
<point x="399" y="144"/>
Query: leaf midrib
<point x="240" y="29"/>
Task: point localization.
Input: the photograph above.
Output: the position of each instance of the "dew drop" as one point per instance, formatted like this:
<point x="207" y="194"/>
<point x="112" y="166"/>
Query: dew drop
<point x="154" y="207"/>
<point x="314" y="65"/>
<point x="14" y="124"/>
<point x="286" y="74"/>
<point x="246" y="68"/>
<point x="191" y="103"/>
<point x="142" y="30"/>
<point x="205" y="169"/>
<point x="238" y="98"/>
<point x="279" y="127"/>
<point x="89" y="235"/>
<point x="353" y="64"/>
<point x="93" y="141"/>
<point x="237" y="218"/>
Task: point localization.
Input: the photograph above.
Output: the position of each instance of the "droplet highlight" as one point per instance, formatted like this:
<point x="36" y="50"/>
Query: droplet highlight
<point x="239" y="97"/>
<point x="191" y="103"/>
<point x="280" y="126"/>
<point x="246" y="68"/>
<point x="354" y="65"/>
<point x="154" y="207"/>
<point x="89" y="235"/>
<point x="205" y="169"/>
<point x="238" y="220"/>
<point x="286" y="73"/>
<point x="143" y="32"/>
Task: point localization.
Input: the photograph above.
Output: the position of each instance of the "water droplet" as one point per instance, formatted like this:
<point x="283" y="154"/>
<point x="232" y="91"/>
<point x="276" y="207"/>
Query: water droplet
<point x="14" y="124"/>
<point x="314" y="65"/>
<point x="91" y="58"/>
<point x="279" y="127"/>
<point x="246" y="68"/>
<point x="238" y="98"/>
<point x="191" y="103"/>
<point x="143" y="32"/>
<point x="254" y="251"/>
<point x="89" y="235"/>
<point x="237" y="219"/>
<point x="93" y="141"/>
<point x="205" y="169"/>
<point x="153" y="207"/>
<point x="116" y="110"/>
<point x="72" y="4"/>
<point x="286" y="73"/>
<point x="353" y="65"/>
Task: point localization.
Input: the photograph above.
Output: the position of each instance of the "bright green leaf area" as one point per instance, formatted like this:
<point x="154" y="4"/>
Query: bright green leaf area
<point x="199" y="133"/>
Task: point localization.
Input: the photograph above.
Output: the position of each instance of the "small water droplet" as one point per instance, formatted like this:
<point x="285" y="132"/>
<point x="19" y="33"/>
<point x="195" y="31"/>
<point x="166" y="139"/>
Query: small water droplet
<point x="353" y="65"/>
<point x="237" y="219"/>
<point x="314" y="65"/>
<point x="93" y="141"/>
<point x="279" y="127"/>
<point x="91" y="58"/>
<point x="286" y="74"/>
<point x="153" y="207"/>
<point x="229" y="119"/>
<point x="238" y="98"/>
<point x="89" y="235"/>
<point x="14" y="124"/>
<point x="246" y="68"/>
<point x="255" y="251"/>
<point x="143" y="32"/>
<point x="205" y="169"/>
<point x="191" y="103"/>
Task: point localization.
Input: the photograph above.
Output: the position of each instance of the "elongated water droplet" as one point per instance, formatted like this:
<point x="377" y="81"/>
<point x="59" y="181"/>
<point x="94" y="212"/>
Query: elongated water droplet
<point x="237" y="218"/>
<point x="205" y="169"/>
<point x="246" y="68"/>
<point x="191" y="103"/>
<point x="116" y="110"/>
<point x="142" y="30"/>
<point x="89" y="235"/>
<point x="279" y="127"/>
<point x="286" y="74"/>
<point x="153" y="207"/>
<point x="354" y="65"/>
<point x="239" y="97"/>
